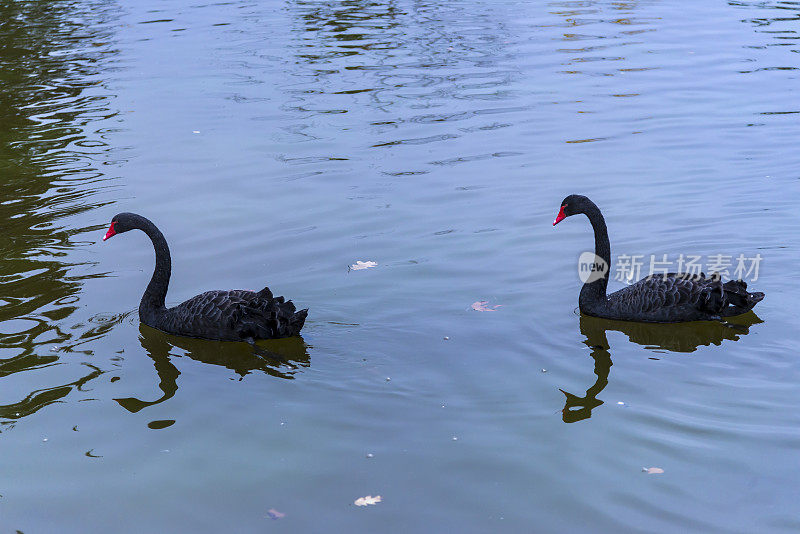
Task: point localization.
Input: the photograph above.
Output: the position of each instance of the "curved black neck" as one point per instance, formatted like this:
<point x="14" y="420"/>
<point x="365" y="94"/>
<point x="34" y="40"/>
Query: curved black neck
<point x="156" y="292"/>
<point x="593" y="294"/>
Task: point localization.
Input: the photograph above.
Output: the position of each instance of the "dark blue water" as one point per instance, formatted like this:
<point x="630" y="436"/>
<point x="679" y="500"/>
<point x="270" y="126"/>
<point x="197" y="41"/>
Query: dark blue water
<point x="279" y="143"/>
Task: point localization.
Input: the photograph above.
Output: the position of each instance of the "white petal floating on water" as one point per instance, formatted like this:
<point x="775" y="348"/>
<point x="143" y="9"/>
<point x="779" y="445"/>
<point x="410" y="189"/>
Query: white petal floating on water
<point x="359" y="265"/>
<point x="483" y="305"/>
<point x="369" y="499"/>
<point x="274" y="514"/>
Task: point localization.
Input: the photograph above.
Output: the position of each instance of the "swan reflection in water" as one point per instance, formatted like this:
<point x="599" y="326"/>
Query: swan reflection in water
<point x="284" y="358"/>
<point x="674" y="337"/>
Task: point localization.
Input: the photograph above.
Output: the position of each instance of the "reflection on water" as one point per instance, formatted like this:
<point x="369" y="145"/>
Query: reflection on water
<point x="673" y="337"/>
<point x="579" y="408"/>
<point x="52" y="100"/>
<point x="423" y="69"/>
<point x="782" y="27"/>
<point x="281" y="358"/>
<point x="599" y="51"/>
<point x="40" y="398"/>
<point x="282" y="141"/>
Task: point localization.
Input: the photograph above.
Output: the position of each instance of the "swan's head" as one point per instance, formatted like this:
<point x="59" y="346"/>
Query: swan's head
<point x="122" y="222"/>
<point x="572" y="205"/>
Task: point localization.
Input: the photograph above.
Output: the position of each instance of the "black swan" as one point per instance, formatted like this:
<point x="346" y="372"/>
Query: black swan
<point x="237" y="315"/>
<point x="670" y="298"/>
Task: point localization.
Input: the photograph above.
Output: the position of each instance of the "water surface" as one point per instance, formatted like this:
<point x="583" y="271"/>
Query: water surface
<point x="279" y="143"/>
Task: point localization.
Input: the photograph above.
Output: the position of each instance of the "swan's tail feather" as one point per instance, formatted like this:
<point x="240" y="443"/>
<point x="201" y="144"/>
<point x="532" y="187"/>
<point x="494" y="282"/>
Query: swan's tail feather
<point x="279" y="317"/>
<point x="296" y="322"/>
<point x="738" y="299"/>
<point x="290" y="320"/>
<point x="286" y="308"/>
<point x="713" y="296"/>
<point x="265" y="293"/>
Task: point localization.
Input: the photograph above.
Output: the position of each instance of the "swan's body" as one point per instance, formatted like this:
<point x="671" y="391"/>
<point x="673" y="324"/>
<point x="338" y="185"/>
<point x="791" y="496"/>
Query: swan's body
<point x="671" y="298"/>
<point x="237" y="315"/>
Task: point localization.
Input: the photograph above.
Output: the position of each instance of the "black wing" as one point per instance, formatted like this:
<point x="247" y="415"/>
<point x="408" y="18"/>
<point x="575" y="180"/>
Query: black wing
<point x="237" y="315"/>
<point x="682" y="297"/>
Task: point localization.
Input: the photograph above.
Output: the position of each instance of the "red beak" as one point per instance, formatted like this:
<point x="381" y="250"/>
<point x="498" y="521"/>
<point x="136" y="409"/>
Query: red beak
<point x="111" y="232"/>
<point x="560" y="217"/>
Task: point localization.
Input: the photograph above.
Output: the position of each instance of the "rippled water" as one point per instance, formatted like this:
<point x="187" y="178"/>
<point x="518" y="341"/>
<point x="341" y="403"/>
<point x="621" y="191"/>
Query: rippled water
<point x="278" y="144"/>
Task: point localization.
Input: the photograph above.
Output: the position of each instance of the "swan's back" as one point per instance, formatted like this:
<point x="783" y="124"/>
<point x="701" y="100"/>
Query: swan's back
<point x="678" y="297"/>
<point x="236" y="315"/>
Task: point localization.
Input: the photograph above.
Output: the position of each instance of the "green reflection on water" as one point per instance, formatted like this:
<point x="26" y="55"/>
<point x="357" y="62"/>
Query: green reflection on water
<point x="280" y="358"/>
<point x="673" y="337"/>
<point x="52" y="101"/>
